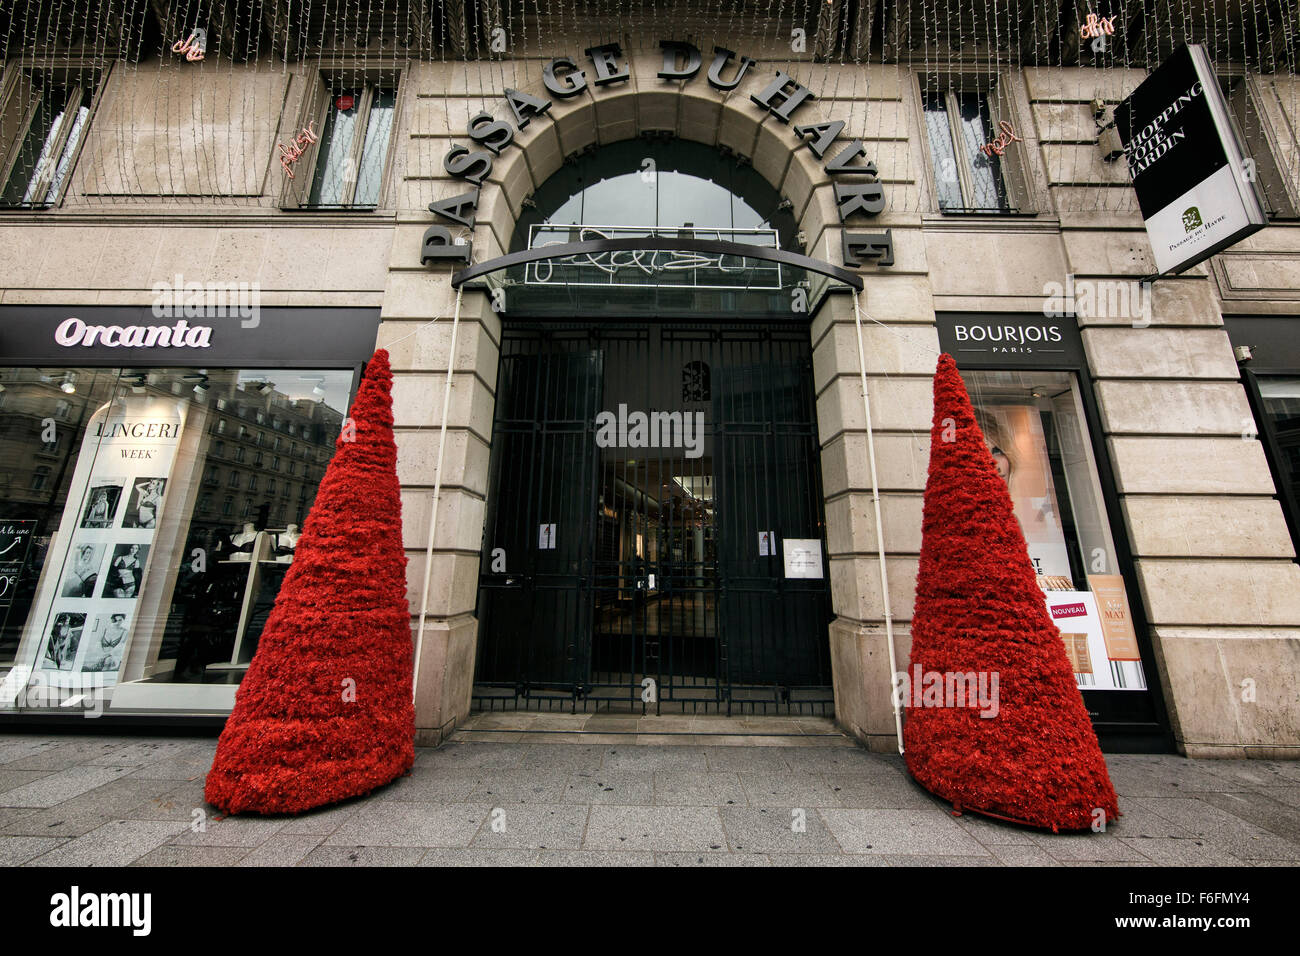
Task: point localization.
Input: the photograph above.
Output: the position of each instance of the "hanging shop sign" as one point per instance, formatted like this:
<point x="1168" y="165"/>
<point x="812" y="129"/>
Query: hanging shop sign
<point x="858" y="193"/>
<point x="135" y="335"/>
<point x="1194" y="186"/>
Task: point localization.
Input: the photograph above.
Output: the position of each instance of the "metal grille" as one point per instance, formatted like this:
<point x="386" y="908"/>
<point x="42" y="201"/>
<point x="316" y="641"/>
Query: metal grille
<point x="638" y="564"/>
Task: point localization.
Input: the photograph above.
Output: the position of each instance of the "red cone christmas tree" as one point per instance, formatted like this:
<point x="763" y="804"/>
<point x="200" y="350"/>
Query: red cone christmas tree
<point x="325" y="711"/>
<point x="979" y="610"/>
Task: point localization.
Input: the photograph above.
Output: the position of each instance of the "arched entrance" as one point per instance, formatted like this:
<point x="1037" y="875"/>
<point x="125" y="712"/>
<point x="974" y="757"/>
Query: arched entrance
<point x="655" y="536"/>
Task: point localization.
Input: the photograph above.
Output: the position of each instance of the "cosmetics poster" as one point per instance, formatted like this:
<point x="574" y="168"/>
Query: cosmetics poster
<point x="1014" y="435"/>
<point x="1077" y="614"/>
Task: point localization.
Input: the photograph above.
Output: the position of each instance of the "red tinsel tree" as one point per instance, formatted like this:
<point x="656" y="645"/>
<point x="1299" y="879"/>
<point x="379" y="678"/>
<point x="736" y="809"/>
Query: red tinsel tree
<point x="325" y="711"/>
<point x="979" y="609"/>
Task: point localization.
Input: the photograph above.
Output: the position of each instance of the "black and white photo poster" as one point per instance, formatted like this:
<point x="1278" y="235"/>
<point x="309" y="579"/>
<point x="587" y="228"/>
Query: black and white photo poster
<point x="82" y="625"/>
<point x="1193" y="185"/>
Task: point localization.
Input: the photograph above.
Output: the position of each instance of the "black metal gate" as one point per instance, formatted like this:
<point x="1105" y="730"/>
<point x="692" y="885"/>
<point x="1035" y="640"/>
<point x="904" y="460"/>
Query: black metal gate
<point x="655" y="530"/>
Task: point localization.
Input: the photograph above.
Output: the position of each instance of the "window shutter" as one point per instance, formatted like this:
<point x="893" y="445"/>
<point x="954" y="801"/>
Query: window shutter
<point x="17" y="97"/>
<point x="1015" y="174"/>
<point x="1016" y="160"/>
<point x="1251" y="127"/>
<point x="295" y="190"/>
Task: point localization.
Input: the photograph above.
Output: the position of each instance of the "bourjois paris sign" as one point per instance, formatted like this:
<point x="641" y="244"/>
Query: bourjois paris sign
<point x="1196" y="190"/>
<point x="782" y="97"/>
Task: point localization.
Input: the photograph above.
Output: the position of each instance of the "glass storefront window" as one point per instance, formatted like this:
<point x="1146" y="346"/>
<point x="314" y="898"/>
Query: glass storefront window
<point x="119" y="572"/>
<point x="1281" y="400"/>
<point x="1034" y="425"/>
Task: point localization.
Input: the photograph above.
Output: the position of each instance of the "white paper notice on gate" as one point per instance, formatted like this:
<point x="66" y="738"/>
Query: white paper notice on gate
<point x="803" y="557"/>
<point x="546" y="537"/>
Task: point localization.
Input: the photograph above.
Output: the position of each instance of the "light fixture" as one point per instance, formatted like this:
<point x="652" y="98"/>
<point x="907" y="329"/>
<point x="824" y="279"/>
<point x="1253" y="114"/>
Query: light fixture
<point x="318" y="391"/>
<point x="67" y="386"/>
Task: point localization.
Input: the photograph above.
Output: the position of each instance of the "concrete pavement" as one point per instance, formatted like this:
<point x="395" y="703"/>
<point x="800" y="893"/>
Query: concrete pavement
<point x="656" y="791"/>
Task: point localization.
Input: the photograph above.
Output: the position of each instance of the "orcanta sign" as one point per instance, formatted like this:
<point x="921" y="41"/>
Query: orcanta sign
<point x="1192" y="181"/>
<point x="782" y="97"/>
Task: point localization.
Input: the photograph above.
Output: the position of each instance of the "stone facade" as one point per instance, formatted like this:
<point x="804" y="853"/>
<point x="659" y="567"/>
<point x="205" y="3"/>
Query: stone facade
<point x="1220" y="587"/>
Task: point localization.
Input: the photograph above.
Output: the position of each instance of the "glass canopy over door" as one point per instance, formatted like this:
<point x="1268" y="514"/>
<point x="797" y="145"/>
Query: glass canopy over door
<point x="669" y="229"/>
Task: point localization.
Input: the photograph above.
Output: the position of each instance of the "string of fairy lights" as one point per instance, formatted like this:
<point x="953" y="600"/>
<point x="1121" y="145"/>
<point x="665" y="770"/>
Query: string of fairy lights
<point x="165" y="101"/>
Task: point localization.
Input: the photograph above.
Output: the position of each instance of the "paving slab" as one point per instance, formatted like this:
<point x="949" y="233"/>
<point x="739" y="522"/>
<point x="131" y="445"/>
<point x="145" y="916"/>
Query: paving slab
<point x="1088" y="847"/>
<point x="143" y="753"/>
<point x="116" y="800"/>
<point x="748" y="759"/>
<point x="711" y="859"/>
<point x="918" y="832"/>
<point x="882" y="790"/>
<point x="482" y="756"/>
<point x="503" y="787"/>
<point x="66" y="752"/>
<point x="685" y="789"/>
<point x="335" y="856"/>
<point x="1180" y="851"/>
<point x="479" y="856"/>
<point x="245" y="831"/>
<point x="548" y="756"/>
<point x="920" y="859"/>
<point x="1020" y="855"/>
<point x="609" y="786"/>
<point x="630" y="756"/>
<point x="16" y="850"/>
<point x="1261" y="810"/>
<point x="1242" y="839"/>
<point x="117" y="843"/>
<point x="819" y="860"/>
<point x="426" y="784"/>
<point x="553" y="827"/>
<point x="173" y="855"/>
<point x="11" y="779"/>
<point x="592" y="858"/>
<point x="776" y="830"/>
<point x="788" y="790"/>
<point x="61" y="785"/>
<point x="396" y="824"/>
<point x="692" y="829"/>
<point x="282" y="849"/>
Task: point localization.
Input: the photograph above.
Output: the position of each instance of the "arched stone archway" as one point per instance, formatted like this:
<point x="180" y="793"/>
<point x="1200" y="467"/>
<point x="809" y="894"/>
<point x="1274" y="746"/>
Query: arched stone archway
<point x="447" y="566"/>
